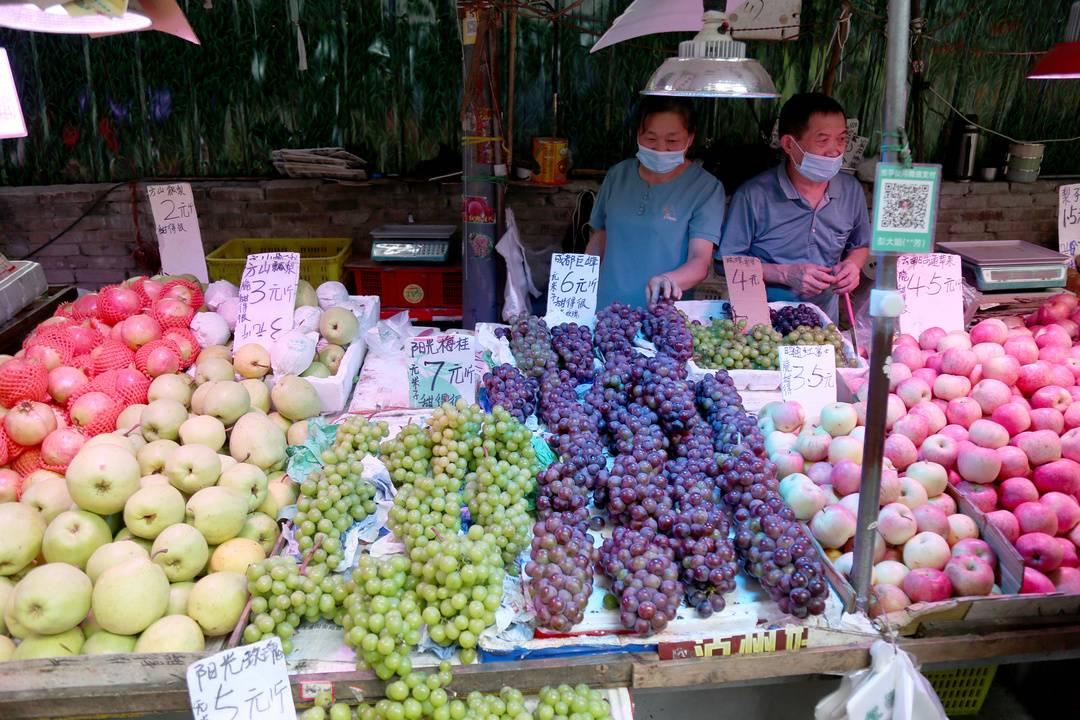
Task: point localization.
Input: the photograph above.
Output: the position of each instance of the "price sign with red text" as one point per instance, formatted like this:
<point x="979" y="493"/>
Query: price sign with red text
<point x="808" y="376"/>
<point x="176" y="225"/>
<point x="746" y="290"/>
<point x="1069" y="220"/>
<point x="933" y="292"/>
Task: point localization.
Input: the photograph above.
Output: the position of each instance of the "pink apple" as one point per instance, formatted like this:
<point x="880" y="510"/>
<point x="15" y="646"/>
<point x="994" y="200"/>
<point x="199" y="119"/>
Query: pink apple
<point x="991" y="330"/>
<point x="1023" y="349"/>
<point x="976" y="548"/>
<point x="913" y="391"/>
<point x="1017" y="490"/>
<point x="940" y="449"/>
<point x="900" y="451"/>
<point x="788" y="416"/>
<point x="963" y="411"/>
<point x="934" y="416"/>
<point x="990" y="394"/>
<point x="891" y="487"/>
<point x="927" y="375"/>
<point x="978" y="465"/>
<point x="1066" y="580"/>
<point x="908" y="355"/>
<point x="788" y="462"/>
<point x="985" y="351"/>
<point x="851" y="502"/>
<point x="970" y="576"/>
<point x="955" y="339"/>
<point x="845" y="447"/>
<point x="929" y="338"/>
<point x="988" y="434"/>
<point x="1014" y="462"/>
<point x="1052" y="396"/>
<point x="913" y="427"/>
<point x="1036" y="517"/>
<point x="1072" y="415"/>
<point x="950" y="387"/>
<point x="960" y="528"/>
<point x="944" y="503"/>
<point x="1035" y="583"/>
<point x="906" y="339"/>
<point x="926" y="584"/>
<point x="1033" y="376"/>
<point x="833" y="526"/>
<point x="813" y="446"/>
<point x="958" y="361"/>
<point x="887" y="599"/>
<point x="1069" y="558"/>
<point x="1065" y="507"/>
<point x="896" y="523"/>
<point x="820" y="473"/>
<point x="1048" y="419"/>
<point x="1005" y="369"/>
<point x="1006" y="523"/>
<point x="894" y="410"/>
<point x="958" y="433"/>
<point x="983" y="497"/>
<point x="1070" y="445"/>
<point x="931" y="475"/>
<point x="898" y="373"/>
<point x="890" y="572"/>
<point x="1013" y="416"/>
<point x="1054" y="354"/>
<point x="930" y="518"/>
<point x="912" y="493"/>
<point x="1051" y="336"/>
<point x="138" y="330"/>
<point x="1061" y="476"/>
<point x="846" y="477"/>
<point x="1039" y="551"/>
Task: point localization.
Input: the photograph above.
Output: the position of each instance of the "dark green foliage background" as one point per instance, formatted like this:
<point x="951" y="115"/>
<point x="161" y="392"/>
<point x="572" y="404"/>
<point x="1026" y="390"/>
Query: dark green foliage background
<point x="384" y="80"/>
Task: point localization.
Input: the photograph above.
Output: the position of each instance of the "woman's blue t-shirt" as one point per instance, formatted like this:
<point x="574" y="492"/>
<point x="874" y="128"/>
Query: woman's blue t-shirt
<point x="649" y="226"/>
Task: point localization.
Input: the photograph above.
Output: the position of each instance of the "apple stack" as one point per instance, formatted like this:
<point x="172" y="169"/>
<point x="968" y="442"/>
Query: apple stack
<point x="925" y="550"/>
<point x="143" y="545"/>
<point x="999" y="408"/>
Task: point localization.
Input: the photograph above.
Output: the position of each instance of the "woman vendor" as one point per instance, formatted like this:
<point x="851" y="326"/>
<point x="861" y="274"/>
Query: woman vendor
<point x="657" y="220"/>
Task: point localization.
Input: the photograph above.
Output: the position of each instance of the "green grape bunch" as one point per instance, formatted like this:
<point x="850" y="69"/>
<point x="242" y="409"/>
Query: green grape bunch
<point x="828" y="335"/>
<point x="723" y="344"/>
<point x="359" y="436"/>
<point x="282" y="597"/>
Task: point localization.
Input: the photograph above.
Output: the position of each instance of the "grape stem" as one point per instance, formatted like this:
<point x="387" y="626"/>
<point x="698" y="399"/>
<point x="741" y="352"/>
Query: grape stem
<point x="234" y="638"/>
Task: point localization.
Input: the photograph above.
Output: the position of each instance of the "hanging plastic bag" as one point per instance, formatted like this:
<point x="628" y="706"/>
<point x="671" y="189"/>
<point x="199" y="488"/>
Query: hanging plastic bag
<point x="387" y="338"/>
<point x="519" y="282"/>
<point x="891" y="689"/>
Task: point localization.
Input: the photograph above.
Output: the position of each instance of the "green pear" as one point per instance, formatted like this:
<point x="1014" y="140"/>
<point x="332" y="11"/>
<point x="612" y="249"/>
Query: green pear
<point x="295" y="398"/>
<point x="217" y="601"/>
<point x="36" y="647"/>
<point x="181" y="551"/>
<point x="73" y="536"/>
<point x="104" y="642"/>
<point x="152" y="509"/>
<point x="130" y="596"/>
<point x="23" y="530"/>
<point x="178" y="597"/>
<point x="261" y="528"/>
<point x="111" y="554"/>
<point x="317" y="370"/>
<point x="258" y="440"/>
<point x="247" y="478"/>
<point x="172" y="633"/>
<point x="305" y="295"/>
<point x="218" y="513"/>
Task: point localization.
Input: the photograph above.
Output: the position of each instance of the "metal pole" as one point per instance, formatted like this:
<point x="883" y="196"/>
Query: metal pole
<point x="896" y="77"/>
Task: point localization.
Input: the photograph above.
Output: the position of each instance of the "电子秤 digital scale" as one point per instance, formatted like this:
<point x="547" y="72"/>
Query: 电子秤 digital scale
<point x="411" y="243"/>
<point x="1001" y="265"/>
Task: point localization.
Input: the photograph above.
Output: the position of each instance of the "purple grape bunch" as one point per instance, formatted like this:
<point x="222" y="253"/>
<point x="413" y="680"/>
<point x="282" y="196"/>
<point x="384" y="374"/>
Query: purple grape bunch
<point x="666" y="327"/>
<point x="509" y="388"/>
<point x="789" y="317"/>
<point x="616" y="327"/>
<point x="561" y="488"/>
<point x="560" y="572"/>
<point x="530" y="341"/>
<point x="573" y="344"/>
<point x="644" y="577"/>
<point x="699" y="539"/>
<point x="636" y="493"/>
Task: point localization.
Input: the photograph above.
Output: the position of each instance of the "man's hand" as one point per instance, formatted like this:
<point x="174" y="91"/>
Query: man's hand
<point x="660" y="288"/>
<point x="847" y="277"/>
<point x="808" y="279"/>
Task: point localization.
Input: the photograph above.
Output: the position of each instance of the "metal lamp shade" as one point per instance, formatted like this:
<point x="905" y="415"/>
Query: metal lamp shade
<point x="711" y="77"/>
<point x="55" y="19"/>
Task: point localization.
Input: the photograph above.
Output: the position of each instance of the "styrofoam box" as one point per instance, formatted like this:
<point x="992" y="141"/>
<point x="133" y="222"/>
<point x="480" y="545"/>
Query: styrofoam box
<point x="334" y="392"/>
<point x="20" y="287"/>
<point x="705" y="310"/>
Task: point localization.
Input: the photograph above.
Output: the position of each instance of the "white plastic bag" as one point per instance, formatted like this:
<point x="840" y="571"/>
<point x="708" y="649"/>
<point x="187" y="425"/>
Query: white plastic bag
<point x="891" y="689"/>
<point x="519" y="282"/>
<point x="293" y="352"/>
<point x="209" y="329"/>
<point x="388" y="337"/>
<point x="306" y="318"/>
<point x="218" y="292"/>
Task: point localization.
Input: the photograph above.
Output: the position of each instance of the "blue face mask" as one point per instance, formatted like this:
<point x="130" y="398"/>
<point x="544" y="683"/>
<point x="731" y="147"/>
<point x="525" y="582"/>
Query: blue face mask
<point x="818" y="168"/>
<point x="660" y="161"/>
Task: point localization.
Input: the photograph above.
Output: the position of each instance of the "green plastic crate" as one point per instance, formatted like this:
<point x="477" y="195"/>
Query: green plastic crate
<point x="321" y="259"/>
<point x="962" y="690"/>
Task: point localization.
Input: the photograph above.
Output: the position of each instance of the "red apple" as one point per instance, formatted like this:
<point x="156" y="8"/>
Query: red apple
<point x="958" y="361"/>
<point x="930" y="518"/>
<point x="932" y="414"/>
<point x="977" y="548"/>
<point x="1072" y="415"/>
<point x="1039" y="551"/>
<point x="1023" y="349"/>
<point x="894" y="410"/>
<point x="955" y="339"/>
<point x="950" y="387"/>
<point x="940" y="449"/>
<point x="969" y="576"/>
<point x="983" y="497"/>
<point x="1035" y="583"/>
<point x="909" y="355"/>
<point x="990" y="394"/>
<point x="1006" y="523"/>
<point x="1054" y="354"/>
<point x="1060" y="475"/>
<point x="927" y="375"/>
<point x="898" y="373"/>
<point x="1069" y="557"/>
<point x="820" y="473"/>
<point x="1066" y="580"/>
<point x="1065" y="507"/>
<point x="846" y="477"/>
<point x="1013" y="416"/>
<point x="1070" y="445"/>
<point x="926" y="550"/>
<point x="886" y="599"/>
<point x="1005" y="369"/>
<point x="913" y="427"/>
<point x="958" y="433"/>
<point x="963" y="411"/>
<point x="896" y="523"/>
<point x="926" y="584"/>
<point x="991" y="330"/>
<point x="913" y="391"/>
<point x="978" y="465"/>
<point x="891" y="487"/>
<point x="1048" y="419"/>
<point x="929" y="338"/>
<point x="900" y="450"/>
<point x="1033" y="376"/>
<point x="1040" y="446"/>
<point x="1034" y="517"/>
<point x="961" y="527"/>
<point x="1014" y="462"/>
<point x="987" y="351"/>
<point x="1017" y="490"/>
<point x="944" y="503"/>
<point x="788" y="462"/>
<point x="988" y="434"/>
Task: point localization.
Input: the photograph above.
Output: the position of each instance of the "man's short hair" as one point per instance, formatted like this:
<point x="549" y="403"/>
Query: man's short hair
<point x="795" y="115"/>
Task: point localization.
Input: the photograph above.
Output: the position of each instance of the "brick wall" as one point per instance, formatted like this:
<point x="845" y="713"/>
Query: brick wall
<point x="98" y="249"/>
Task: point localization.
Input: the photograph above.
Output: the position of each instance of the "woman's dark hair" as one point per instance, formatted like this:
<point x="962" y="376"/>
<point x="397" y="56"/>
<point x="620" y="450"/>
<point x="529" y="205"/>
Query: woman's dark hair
<point x="654" y="104"/>
<point x="795" y="115"/>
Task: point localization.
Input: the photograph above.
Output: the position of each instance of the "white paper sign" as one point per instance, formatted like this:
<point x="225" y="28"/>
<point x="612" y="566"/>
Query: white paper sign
<point x="808" y="376"/>
<point x="267" y="298"/>
<point x="1069" y="220"/>
<point x="12" y="124"/>
<point x="933" y="292"/>
<point x="572" y="288"/>
<point x="250" y="682"/>
<point x="176" y="225"/>
<point x="442" y="368"/>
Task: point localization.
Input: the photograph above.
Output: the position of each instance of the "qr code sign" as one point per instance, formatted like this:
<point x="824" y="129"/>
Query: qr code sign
<point x="905" y="205"/>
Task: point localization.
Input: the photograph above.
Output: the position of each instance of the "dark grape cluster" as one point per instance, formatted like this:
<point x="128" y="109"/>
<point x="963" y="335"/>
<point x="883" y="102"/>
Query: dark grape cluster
<point x="616" y="327"/>
<point x="699" y="539"/>
<point x="634" y="431"/>
<point x="636" y="493"/>
<point x="573" y="344"/>
<point x="790" y="317"/>
<point x="715" y="392"/>
<point x="530" y="341"/>
<point x="560" y="571"/>
<point x="561" y="488"/>
<point x="665" y="326"/>
<point x="644" y="577"/>
<point x="670" y="398"/>
<point x="513" y="391"/>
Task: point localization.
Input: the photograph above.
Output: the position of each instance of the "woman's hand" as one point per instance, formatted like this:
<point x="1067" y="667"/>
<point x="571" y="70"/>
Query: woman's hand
<point x="662" y="287"/>
<point x="808" y="279"/>
<point x="847" y="277"/>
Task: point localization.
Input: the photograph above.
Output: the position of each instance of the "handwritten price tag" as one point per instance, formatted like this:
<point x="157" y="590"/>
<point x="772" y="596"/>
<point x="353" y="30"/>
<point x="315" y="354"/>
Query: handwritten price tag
<point x="442" y="368"/>
<point x="808" y="376"/>
<point x="572" y="289"/>
<point x="746" y="290"/>
<point x="246" y="683"/>
<point x="1069" y="220"/>
<point x="176" y="225"/>
<point x="12" y="124"/>
<point x="932" y="290"/>
<point x="267" y="298"/>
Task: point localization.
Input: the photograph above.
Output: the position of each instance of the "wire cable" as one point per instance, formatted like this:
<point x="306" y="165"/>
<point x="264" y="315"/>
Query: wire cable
<point x="93" y="206"/>
<point x="952" y="107"/>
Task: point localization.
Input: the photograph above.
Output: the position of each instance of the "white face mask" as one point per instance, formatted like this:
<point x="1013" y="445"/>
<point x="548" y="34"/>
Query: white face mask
<point x="660" y="161"/>
<point x="818" y="168"/>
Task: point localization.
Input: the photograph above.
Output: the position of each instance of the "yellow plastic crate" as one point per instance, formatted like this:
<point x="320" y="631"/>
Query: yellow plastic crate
<point x="321" y="259"/>
<point x="963" y="690"/>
